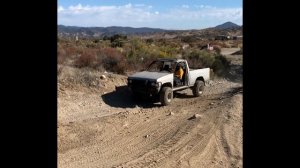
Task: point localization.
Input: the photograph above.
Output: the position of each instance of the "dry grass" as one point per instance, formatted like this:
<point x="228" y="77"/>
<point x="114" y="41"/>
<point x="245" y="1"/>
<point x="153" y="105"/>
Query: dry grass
<point x="70" y="76"/>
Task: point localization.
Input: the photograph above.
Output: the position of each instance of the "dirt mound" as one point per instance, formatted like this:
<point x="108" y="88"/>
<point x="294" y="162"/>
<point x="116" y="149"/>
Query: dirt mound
<point x="74" y="78"/>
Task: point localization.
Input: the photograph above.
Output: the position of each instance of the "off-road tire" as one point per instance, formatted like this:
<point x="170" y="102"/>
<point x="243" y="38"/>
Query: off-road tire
<point x="198" y="88"/>
<point x="166" y="96"/>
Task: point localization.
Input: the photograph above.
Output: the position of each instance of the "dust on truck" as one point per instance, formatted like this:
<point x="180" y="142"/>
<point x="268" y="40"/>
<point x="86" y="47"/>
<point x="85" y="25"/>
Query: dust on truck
<point x="159" y="80"/>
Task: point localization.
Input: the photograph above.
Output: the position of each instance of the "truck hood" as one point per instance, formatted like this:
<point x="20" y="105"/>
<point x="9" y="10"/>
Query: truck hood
<point x="149" y="75"/>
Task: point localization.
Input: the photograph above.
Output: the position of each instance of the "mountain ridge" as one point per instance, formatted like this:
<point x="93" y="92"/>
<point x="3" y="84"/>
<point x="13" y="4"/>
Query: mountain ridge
<point x="227" y="25"/>
<point x="63" y="30"/>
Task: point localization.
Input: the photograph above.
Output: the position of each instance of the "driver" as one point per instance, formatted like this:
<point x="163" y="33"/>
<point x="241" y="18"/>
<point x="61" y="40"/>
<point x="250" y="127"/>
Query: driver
<point x="178" y="74"/>
<point x="179" y="71"/>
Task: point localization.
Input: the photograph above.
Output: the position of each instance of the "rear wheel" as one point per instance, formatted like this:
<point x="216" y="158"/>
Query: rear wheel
<point x="166" y="96"/>
<point x="198" y="88"/>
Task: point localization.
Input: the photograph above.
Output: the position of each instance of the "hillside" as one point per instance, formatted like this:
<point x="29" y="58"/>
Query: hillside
<point x="104" y="31"/>
<point x="227" y="25"/>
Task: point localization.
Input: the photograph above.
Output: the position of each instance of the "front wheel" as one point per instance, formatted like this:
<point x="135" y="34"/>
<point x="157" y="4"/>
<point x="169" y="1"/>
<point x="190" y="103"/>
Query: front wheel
<point x="166" y="96"/>
<point x="198" y="88"/>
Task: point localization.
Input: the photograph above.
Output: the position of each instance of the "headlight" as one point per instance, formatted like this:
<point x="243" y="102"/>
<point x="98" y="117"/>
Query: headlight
<point x="156" y="84"/>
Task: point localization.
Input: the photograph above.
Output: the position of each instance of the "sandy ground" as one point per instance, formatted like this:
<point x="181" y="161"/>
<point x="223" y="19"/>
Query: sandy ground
<point x="103" y="127"/>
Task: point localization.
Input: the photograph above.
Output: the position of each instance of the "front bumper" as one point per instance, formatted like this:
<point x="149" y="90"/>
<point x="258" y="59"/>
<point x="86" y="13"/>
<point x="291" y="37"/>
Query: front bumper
<point x="145" y="87"/>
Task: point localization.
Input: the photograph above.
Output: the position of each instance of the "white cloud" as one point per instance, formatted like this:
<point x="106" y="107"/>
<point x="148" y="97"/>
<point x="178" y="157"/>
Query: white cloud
<point x="126" y="15"/>
<point x="139" y="5"/>
<point x="128" y="5"/>
<point x="204" y="6"/>
<point x="185" y="6"/>
<point x="140" y="15"/>
<point x="60" y="8"/>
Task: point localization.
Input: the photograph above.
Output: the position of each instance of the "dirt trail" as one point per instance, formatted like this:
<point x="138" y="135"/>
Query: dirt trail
<point x="104" y="128"/>
<point x="228" y="51"/>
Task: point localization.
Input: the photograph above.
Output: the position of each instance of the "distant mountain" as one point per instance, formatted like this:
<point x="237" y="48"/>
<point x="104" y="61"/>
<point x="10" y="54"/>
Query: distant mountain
<point x="228" y="28"/>
<point x="227" y="25"/>
<point x="104" y="31"/>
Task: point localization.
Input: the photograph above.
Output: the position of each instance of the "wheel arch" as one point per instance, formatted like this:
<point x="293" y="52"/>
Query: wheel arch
<point x="166" y="85"/>
<point x="201" y="79"/>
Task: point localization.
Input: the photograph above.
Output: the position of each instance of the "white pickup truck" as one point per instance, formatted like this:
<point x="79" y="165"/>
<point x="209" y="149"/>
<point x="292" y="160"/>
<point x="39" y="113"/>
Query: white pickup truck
<point x="159" y="80"/>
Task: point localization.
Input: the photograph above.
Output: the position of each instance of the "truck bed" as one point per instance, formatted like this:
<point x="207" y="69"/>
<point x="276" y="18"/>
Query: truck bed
<point x="195" y="73"/>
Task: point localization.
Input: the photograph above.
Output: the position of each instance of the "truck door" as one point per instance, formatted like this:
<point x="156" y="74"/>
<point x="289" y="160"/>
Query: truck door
<point x="187" y="73"/>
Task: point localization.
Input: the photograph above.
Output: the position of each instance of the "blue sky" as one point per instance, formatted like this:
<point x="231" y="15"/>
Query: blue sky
<point x="173" y="14"/>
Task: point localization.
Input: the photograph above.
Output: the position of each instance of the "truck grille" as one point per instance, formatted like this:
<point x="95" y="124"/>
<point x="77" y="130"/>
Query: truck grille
<point x="143" y="86"/>
<point x="139" y="84"/>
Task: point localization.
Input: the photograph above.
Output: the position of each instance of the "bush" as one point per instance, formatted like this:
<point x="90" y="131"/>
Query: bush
<point x="189" y="39"/>
<point x="205" y="59"/>
<point x="221" y="65"/>
<point x="217" y="49"/>
<point x="61" y="55"/>
<point x="118" y="40"/>
<point x="88" y="78"/>
<point x="90" y="45"/>
<point x="149" y="41"/>
<point x="96" y="41"/>
<point x="112" y="60"/>
<point x="199" y="58"/>
<point x="136" y="54"/>
<point x="86" y="59"/>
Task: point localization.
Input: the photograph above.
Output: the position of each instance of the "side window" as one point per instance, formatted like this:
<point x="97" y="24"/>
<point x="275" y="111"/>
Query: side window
<point x="166" y="66"/>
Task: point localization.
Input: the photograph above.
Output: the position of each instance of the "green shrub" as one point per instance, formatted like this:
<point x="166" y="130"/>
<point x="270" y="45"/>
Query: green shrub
<point x="221" y="65"/>
<point x="199" y="58"/>
<point x="205" y="59"/>
<point x="117" y="40"/>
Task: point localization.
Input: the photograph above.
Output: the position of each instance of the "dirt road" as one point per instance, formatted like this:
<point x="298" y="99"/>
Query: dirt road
<point x="228" y="51"/>
<point x="102" y="127"/>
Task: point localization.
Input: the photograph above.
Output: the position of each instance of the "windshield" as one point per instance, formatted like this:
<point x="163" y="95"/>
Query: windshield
<point x="162" y="66"/>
